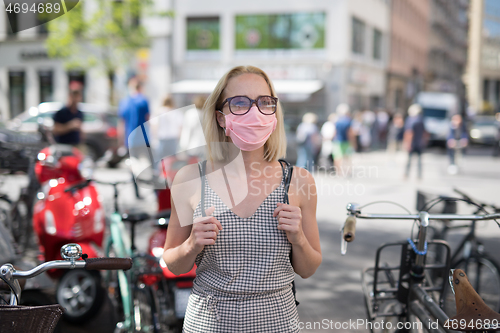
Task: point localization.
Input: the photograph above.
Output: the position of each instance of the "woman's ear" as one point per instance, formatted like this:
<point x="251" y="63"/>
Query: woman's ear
<point x="221" y="119"/>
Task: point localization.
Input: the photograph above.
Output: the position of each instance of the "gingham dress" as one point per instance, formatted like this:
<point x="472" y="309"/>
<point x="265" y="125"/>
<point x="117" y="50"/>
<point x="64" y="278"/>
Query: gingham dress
<point x="244" y="281"/>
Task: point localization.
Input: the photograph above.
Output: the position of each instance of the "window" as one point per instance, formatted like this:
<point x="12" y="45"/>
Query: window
<point x="46" y="86"/>
<point x="17" y="92"/>
<point x="358" y="36"/>
<point x="12" y="24"/>
<point x="377" y="44"/>
<point x="202" y="33"/>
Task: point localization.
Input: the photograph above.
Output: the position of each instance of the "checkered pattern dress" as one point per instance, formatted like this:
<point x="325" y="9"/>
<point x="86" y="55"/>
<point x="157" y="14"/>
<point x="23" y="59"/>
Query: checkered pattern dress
<point x="244" y="281"/>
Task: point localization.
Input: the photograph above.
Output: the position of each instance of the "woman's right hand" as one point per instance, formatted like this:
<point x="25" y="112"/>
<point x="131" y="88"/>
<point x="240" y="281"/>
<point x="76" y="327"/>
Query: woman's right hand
<point x="204" y="231"/>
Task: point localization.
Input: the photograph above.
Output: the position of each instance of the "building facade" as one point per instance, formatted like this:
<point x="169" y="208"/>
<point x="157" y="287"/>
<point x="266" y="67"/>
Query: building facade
<point x="483" y="65"/>
<point x="409" y="48"/>
<point x="28" y="76"/>
<point x="318" y="53"/>
<point x="448" y="46"/>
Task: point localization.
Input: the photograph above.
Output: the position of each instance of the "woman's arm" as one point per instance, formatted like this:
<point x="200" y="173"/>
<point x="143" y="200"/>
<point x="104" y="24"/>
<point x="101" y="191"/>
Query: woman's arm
<point x="185" y="237"/>
<point x="298" y="219"/>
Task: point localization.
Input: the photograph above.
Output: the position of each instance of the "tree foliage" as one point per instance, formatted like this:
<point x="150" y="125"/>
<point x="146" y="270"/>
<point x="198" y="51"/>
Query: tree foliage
<point x="99" y="33"/>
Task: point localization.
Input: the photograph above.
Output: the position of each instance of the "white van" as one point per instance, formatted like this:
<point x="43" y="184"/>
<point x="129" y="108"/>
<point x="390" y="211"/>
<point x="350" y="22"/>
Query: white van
<point x="437" y="109"/>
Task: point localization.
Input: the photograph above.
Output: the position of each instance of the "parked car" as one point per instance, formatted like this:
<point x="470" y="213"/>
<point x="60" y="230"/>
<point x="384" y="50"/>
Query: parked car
<point x="483" y="130"/>
<point x="99" y="124"/>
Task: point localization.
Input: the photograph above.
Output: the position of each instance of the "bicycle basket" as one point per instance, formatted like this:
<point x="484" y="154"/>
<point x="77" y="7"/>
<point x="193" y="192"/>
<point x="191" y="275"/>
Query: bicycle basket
<point x="33" y="319"/>
<point x="386" y="287"/>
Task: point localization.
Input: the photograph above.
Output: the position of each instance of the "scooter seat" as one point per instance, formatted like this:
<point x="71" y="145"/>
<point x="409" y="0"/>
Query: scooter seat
<point x="135" y="217"/>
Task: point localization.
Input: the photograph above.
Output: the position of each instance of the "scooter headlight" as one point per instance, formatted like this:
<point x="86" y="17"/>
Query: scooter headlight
<point x="157" y="251"/>
<point x="50" y="223"/>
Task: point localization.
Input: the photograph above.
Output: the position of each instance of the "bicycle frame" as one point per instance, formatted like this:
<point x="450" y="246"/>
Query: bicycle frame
<point x="418" y="300"/>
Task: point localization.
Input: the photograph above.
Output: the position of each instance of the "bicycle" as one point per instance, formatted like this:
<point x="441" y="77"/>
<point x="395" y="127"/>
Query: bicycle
<point x="470" y="255"/>
<point x="134" y="292"/>
<point x="42" y="319"/>
<point x="413" y="294"/>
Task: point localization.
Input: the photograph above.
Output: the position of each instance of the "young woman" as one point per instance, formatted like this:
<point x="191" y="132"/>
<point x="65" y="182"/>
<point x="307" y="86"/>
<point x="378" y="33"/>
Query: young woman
<point x="229" y="215"/>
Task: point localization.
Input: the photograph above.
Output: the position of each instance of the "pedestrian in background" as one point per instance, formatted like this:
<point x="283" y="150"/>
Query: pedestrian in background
<point x="192" y="141"/>
<point x="168" y="125"/>
<point x="395" y="133"/>
<point x="134" y="113"/>
<point x="68" y="121"/>
<point x="308" y="141"/>
<point x="415" y="137"/>
<point x="344" y="142"/>
<point x="456" y="142"/>
<point x="327" y="134"/>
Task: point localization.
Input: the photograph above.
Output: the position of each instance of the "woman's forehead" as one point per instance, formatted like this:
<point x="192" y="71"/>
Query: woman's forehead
<point x="248" y="84"/>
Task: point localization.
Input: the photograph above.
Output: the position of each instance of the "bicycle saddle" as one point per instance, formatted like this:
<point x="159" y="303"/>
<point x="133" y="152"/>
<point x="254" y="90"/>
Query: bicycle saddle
<point x="471" y="309"/>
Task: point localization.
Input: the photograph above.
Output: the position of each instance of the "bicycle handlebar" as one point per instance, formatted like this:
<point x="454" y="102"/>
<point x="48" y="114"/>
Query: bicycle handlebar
<point x="88" y="264"/>
<point x="349" y="228"/>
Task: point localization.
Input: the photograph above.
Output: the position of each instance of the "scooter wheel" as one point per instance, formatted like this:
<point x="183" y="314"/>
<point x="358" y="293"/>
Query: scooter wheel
<point x="81" y="294"/>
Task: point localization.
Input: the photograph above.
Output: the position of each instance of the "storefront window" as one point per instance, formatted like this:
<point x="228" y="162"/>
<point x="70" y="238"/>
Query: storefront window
<point x="46" y="86"/>
<point x="17" y="92"/>
<point x="203" y="33"/>
<point x="282" y="31"/>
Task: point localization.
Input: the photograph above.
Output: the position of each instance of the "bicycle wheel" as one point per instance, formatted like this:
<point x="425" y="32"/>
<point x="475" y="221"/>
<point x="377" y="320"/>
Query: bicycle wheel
<point x="145" y="319"/>
<point x="484" y="276"/>
<point x="21" y="219"/>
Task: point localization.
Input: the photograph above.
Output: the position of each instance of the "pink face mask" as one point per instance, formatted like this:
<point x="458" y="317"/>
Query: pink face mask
<point x="251" y="130"/>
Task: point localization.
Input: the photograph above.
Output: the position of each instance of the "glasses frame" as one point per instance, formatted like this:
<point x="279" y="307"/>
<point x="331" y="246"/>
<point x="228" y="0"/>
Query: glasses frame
<point x="252" y="102"/>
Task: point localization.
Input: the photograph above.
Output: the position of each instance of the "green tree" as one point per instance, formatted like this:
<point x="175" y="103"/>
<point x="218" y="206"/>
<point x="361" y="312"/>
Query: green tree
<point x="105" y="34"/>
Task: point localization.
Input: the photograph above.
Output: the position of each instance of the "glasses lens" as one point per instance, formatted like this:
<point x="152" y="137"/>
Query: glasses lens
<point x="239" y="104"/>
<point x="267" y="104"/>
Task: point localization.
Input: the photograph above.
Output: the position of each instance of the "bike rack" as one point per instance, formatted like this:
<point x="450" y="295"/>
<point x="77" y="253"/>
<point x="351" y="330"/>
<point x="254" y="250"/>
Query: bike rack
<point x="381" y="287"/>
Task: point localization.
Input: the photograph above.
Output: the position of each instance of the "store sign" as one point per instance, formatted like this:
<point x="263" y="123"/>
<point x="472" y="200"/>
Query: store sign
<point x="300" y="31"/>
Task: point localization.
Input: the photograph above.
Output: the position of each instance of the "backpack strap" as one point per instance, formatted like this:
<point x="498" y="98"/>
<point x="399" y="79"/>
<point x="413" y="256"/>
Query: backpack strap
<point x="288" y="180"/>
<point x="202" y="167"/>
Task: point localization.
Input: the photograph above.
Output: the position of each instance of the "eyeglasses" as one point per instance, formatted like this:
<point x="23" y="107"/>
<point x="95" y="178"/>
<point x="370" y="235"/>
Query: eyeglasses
<point x="240" y="105"/>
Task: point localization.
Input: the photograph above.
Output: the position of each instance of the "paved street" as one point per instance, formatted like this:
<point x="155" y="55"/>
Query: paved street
<point x="334" y="292"/>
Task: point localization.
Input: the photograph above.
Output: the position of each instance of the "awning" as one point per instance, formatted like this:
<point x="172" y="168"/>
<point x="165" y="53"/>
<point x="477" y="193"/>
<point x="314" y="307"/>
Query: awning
<point x="281" y="86"/>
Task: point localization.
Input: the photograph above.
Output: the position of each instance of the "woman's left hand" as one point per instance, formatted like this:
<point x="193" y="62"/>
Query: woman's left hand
<point x="290" y="220"/>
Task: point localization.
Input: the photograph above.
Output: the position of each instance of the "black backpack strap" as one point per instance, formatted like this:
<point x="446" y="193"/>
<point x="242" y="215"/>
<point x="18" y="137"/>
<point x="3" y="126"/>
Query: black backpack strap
<point x="288" y="180"/>
<point x="203" y="167"/>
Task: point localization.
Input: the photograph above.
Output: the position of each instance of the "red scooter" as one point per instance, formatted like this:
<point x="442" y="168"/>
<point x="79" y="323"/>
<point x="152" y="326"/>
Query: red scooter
<point x="69" y="211"/>
<point x="176" y="288"/>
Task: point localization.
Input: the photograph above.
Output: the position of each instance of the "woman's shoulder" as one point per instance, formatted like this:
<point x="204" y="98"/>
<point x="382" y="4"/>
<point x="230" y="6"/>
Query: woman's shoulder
<point x="187" y="173"/>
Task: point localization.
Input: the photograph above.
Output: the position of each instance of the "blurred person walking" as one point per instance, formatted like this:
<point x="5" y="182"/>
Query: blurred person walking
<point x="327" y="134"/>
<point x="344" y="142"/>
<point x="68" y="121"/>
<point x="133" y="112"/>
<point x="415" y="137"/>
<point x="192" y="139"/>
<point x="456" y="142"/>
<point x="383" y="127"/>
<point x="168" y="129"/>
<point x="308" y="141"/>
<point x="395" y="133"/>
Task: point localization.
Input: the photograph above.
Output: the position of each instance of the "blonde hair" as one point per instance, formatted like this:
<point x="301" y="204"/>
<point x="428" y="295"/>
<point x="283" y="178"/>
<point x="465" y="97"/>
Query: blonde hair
<point x="275" y="146"/>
